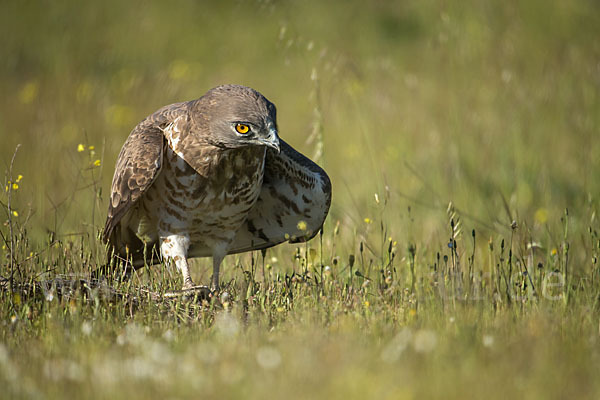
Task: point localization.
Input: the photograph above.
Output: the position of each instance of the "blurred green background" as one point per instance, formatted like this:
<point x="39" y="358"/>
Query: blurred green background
<point x="493" y="106"/>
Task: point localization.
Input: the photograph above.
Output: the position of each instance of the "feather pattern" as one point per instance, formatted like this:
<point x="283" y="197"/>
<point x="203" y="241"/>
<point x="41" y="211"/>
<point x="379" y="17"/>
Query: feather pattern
<point x="292" y="205"/>
<point x="138" y="164"/>
<point x="187" y="184"/>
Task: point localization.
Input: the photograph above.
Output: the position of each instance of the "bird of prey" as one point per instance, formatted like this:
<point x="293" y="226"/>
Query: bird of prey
<point x="211" y="177"/>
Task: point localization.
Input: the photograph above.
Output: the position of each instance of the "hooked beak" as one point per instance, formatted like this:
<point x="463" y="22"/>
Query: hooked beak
<point x="272" y="140"/>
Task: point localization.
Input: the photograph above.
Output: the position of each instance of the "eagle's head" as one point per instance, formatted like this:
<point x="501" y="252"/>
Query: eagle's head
<point x="233" y="116"/>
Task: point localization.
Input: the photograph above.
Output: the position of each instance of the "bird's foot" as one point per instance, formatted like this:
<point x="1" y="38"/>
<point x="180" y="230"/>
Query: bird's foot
<point x="188" y="284"/>
<point x="201" y="293"/>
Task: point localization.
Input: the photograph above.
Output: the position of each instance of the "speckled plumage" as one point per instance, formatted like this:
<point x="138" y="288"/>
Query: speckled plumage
<point x="186" y="185"/>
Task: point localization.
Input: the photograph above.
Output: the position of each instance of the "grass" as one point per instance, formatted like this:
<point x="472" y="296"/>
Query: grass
<point x="460" y="257"/>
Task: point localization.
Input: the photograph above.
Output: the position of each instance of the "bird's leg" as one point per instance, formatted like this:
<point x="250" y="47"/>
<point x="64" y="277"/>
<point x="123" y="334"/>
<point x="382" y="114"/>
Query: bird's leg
<point x="219" y="253"/>
<point x="175" y="247"/>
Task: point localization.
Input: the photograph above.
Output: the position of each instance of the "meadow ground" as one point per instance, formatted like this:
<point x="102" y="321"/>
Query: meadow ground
<point x="460" y="256"/>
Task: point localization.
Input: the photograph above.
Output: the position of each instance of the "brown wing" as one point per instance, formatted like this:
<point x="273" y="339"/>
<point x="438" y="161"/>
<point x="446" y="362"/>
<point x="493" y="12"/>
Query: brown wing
<point x="139" y="162"/>
<point x="292" y="205"/>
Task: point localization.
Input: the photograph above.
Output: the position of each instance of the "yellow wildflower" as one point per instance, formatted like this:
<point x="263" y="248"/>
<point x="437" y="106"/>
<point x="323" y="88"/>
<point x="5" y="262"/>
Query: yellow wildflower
<point x="97" y="163"/>
<point x="541" y="216"/>
<point x="91" y="147"/>
<point x="29" y="92"/>
<point x="15" y="186"/>
<point x="16" y="214"/>
<point x="367" y="304"/>
<point x="80" y="147"/>
<point x="179" y="69"/>
<point x="19" y="178"/>
<point x="554" y="252"/>
<point x="301" y="225"/>
<point x="368" y="220"/>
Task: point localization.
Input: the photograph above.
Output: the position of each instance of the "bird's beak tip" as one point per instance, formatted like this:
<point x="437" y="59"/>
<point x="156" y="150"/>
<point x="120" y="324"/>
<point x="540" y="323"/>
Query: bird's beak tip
<point x="274" y="141"/>
<point x="275" y="145"/>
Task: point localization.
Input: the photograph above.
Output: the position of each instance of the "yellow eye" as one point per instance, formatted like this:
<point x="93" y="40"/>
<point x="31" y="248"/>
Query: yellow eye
<point x="241" y="128"/>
